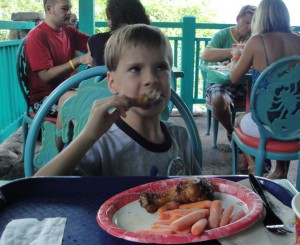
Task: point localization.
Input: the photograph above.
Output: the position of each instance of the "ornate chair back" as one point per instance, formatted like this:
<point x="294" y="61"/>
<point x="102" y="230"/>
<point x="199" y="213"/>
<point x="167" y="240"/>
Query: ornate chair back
<point x="76" y="111"/>
<point x="275" y="108"/>
<point x="24" y="87"/>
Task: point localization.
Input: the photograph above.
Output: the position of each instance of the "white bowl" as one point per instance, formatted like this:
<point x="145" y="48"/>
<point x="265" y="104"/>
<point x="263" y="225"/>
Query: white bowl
<point x="296" y="204"/>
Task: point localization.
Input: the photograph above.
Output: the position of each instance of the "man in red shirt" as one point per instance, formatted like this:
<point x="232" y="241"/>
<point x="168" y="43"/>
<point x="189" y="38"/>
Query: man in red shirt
<point x="50" y="51"/>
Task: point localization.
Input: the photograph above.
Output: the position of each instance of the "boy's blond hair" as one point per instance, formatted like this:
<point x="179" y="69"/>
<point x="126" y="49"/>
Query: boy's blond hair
<point x="137" y="34"/>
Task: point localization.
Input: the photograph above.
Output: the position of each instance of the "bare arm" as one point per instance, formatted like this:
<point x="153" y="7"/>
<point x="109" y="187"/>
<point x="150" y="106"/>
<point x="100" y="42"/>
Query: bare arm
<point x="216" y="54"/>
<point x="66" y="161"/>
<point x="58" y="72"/>
<point x="93" y="62"/>
<point x="240" y="67"/>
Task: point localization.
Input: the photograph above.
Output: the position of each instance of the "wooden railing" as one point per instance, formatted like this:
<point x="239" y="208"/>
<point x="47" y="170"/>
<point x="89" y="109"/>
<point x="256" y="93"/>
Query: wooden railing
<point x="187" y="43"/>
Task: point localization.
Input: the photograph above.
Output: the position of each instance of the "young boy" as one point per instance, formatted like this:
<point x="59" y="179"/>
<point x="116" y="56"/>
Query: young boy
<point x="124" y="134"/>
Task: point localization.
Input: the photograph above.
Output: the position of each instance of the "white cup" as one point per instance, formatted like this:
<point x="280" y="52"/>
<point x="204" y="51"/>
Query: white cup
<point x="237" y="48"/>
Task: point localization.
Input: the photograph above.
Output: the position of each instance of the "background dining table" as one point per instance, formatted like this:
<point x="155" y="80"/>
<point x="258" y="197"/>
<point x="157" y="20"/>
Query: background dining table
<point x="79" y="199"/>
<point x="221" y="74"/>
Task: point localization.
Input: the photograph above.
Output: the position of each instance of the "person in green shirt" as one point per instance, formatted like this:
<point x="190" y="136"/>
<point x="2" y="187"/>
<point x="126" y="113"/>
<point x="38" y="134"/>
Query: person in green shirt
<point x="222" y="96"/>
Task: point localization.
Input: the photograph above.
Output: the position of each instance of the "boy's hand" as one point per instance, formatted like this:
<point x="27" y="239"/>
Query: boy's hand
<point x="106" y="111"/>
<point x="146" y="100"/>
<point x="103" y="114"/>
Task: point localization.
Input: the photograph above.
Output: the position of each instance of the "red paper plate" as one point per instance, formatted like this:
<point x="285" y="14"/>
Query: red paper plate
<point x="122" y="215"/>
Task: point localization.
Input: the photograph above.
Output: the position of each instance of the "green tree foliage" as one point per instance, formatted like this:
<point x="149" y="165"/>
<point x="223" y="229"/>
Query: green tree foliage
<point x="173" y="11"/>
<point x="158" y="10"/>
<point x="8" y="7"/>
<point x="168" y="11"/>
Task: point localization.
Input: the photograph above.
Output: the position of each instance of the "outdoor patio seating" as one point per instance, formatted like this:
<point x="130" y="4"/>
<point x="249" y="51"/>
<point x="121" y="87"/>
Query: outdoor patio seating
<point x="76" y="109"/>
<point x="23" y="83"/>
<point x="274" y="104"/>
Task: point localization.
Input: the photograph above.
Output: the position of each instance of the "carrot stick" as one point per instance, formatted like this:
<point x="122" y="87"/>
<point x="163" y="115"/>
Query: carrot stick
<point x="199" y="226"/>
<point x="178" y="213"/>
<point x="238" y="215"/>
<point x="176" y="216"/>
<point x="182" y="211"/>
<point x="160" y="226"/>
<point x="188" y="220"/>
<point x="168" y="206"/>
<point x="165" y="215"/>
<point x="200" y="204"/>
<point x="183" y="232"/>
<point x="163" y="222"/>
<point x="226" y="216"/>
<point x="155" y="231"/>
<point x="214" y="217"/>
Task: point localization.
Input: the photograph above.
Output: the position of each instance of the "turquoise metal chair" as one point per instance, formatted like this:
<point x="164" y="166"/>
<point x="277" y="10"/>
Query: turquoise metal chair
<point x="275" y="108"/>
<point x="240" y="106"/>
<point x="24" y="84"/>
<point x="76" y="109"/>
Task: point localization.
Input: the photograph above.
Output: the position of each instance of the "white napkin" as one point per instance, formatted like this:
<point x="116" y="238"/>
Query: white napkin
<point x="34" y="232"/>
<point x="258" y="234"/>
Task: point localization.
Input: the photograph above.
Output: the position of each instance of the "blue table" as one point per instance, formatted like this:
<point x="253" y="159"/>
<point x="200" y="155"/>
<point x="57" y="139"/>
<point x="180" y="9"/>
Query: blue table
<point x="223" y="77"/>
<point x="78" y="199"/>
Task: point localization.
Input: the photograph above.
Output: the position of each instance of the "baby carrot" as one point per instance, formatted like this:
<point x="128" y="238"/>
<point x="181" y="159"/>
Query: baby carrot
<point x="164" y="215"/>
<point x="185" y="211"/>
<point x="160" y="226"/>
<point x="168" y="206"/>
<point x="238" y="215"/>
<point x="183" y="232"/>
<point x="188" y="220"/>
<point x="163" y="222"/>
<point x="156" y="231"/>
<point x="200" y="204"/>
<point x="175" y="216"/>
<point x="178" y="213"/>
<point x="199" y="226"/>
<point x="215" y="214"/>
<point x="226" y="215"/>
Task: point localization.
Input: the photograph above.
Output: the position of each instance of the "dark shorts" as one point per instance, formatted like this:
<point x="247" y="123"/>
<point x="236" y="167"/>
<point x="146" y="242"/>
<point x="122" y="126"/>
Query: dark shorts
<point x="229" y="91"/>
<point x="53" y="110"/>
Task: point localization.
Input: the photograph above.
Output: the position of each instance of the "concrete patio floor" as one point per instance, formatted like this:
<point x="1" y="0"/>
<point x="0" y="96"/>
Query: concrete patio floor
<point x="215" y="161"/>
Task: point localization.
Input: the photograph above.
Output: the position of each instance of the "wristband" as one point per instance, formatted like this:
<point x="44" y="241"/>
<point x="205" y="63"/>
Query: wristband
<point x="72" y="65"/>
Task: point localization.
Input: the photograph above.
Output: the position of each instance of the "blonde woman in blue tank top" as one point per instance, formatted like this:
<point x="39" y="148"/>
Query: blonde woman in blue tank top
<point x="272" y="40"/>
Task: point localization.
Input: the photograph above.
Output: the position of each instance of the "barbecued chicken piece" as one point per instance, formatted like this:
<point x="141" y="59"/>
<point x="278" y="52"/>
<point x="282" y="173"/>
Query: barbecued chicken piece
<point x="186" y="191"/>
<point x="145" y="101"/>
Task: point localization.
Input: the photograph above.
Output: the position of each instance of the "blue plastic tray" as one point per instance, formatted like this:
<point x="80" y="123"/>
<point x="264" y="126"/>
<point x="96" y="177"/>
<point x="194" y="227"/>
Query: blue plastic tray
<point x="78" y="199"/>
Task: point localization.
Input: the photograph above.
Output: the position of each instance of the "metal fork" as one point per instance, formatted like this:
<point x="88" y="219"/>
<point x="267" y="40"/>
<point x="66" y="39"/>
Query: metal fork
<point x="271" y="221"/>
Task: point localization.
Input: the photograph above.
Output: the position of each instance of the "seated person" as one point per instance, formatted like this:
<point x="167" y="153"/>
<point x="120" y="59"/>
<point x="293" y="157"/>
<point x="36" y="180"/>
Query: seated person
<point x="131" y="139"/>
<point x="50" y="50"/>
<point x="222" y="96"/>
<point x="118" y="13"/>
<point x="272" y="40"/>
